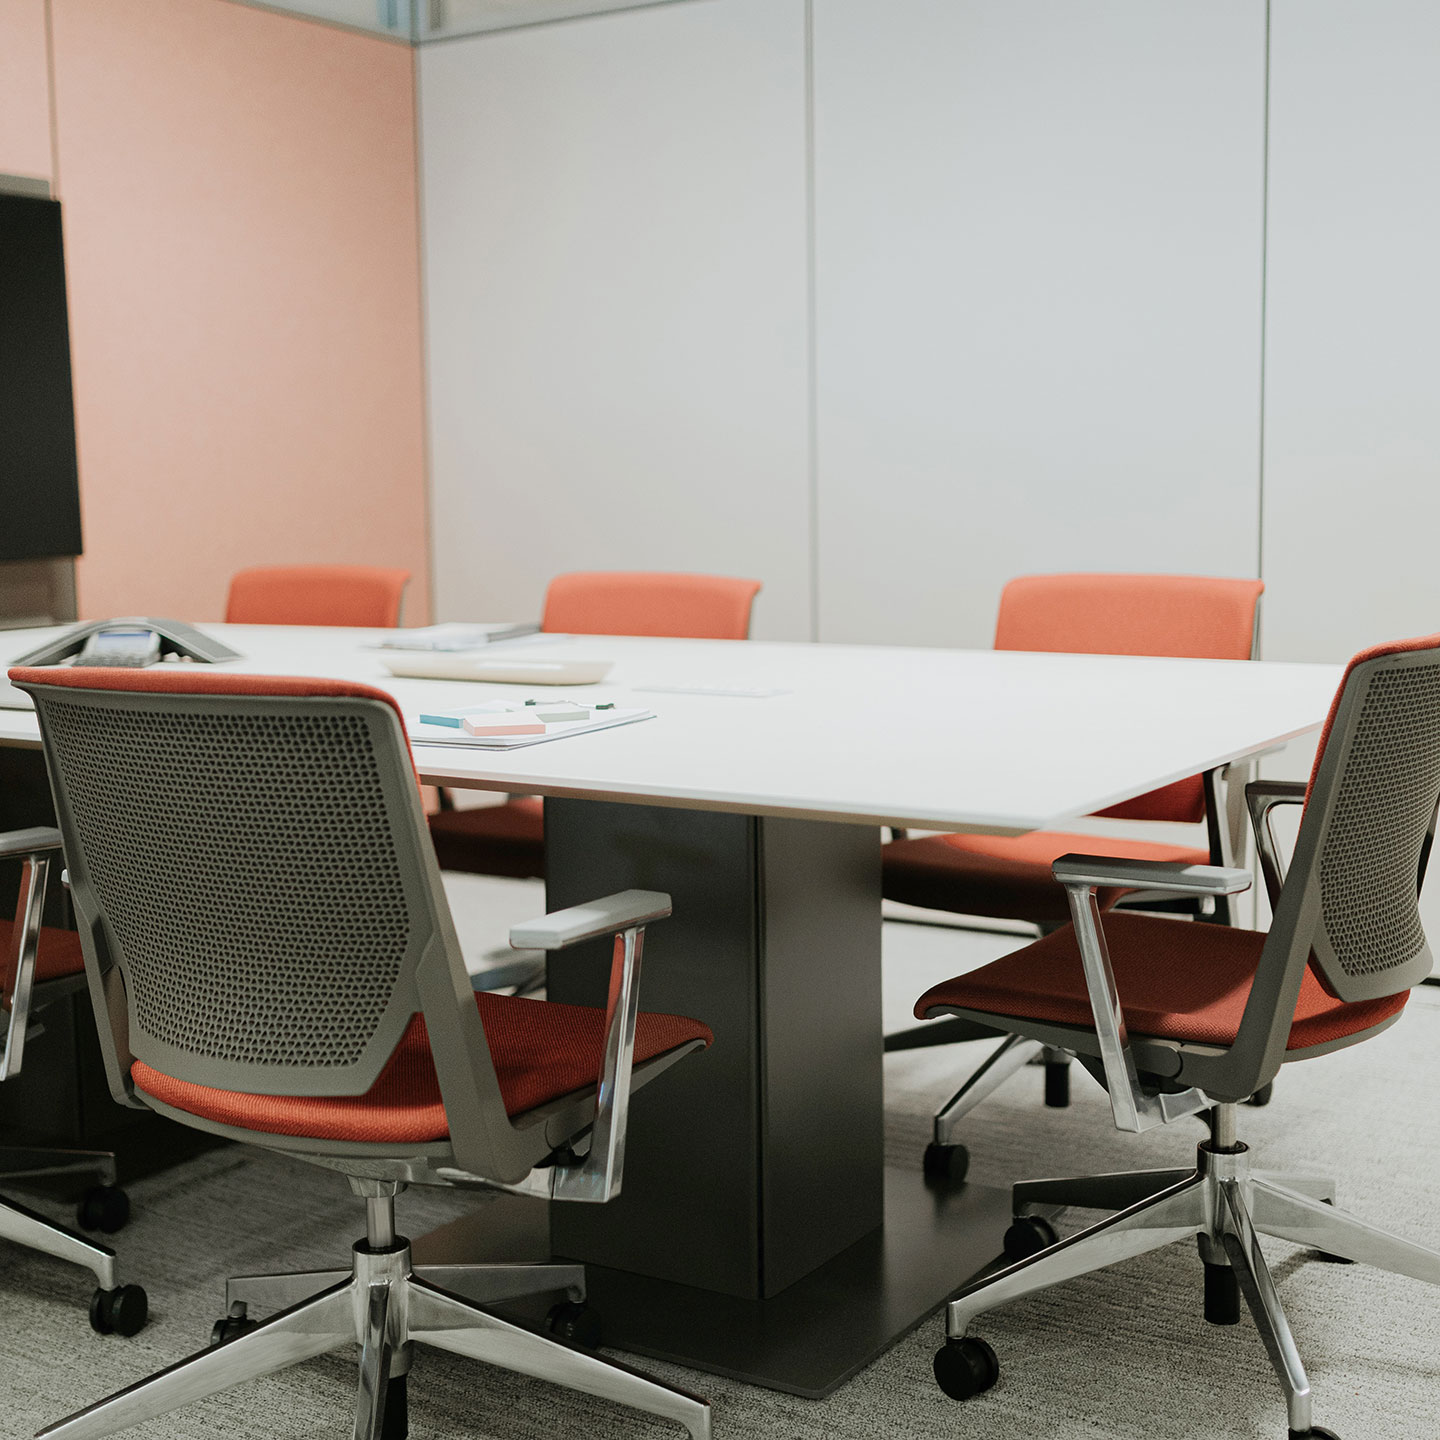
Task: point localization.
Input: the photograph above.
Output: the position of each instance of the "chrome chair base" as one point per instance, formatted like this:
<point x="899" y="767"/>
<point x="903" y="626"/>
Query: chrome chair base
<point x="31" y="1161"/>
<point x="34" y="1231"/>
<point x="386" y="1304"/>
<point x="1226" y="1204"/>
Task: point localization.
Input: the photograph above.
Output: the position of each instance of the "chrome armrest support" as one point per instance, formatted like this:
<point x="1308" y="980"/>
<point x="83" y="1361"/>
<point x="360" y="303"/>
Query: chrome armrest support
<point x="1167" y="877"/>
<point x="1133" y="1108"/>
<point x="34" y="847"/>
<point x="597" y="1177"/>
<point x="1262" y="797"/>
<point x="38" y="840"/>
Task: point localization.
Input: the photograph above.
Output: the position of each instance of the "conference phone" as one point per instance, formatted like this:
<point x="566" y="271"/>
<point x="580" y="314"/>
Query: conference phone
<point x="133" y="641"/>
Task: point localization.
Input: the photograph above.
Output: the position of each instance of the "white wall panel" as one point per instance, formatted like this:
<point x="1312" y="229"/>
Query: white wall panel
<point x="1352" y="456"/>
<point x="1038" y="232"/>
<point x="1352" y="451"/>
<point x="615" y="229"/>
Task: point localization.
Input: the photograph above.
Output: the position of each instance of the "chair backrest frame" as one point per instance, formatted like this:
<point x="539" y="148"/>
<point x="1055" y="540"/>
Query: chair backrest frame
<point x="1191" y="616"/>
<point x="125" y="975"/>
<point x="655" y="603"/>
<point x="1322" y="917"/>
<point x="369" y="596"/>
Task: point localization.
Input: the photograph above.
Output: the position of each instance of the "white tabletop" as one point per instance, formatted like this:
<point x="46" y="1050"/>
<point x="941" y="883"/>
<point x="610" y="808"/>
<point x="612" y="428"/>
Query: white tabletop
<point x="937" y="739"/>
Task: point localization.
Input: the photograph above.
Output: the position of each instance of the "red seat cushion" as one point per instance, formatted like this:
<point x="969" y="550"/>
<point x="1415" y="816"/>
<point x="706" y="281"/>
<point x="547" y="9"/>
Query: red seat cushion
<point x="1005" y="876"/>
<point x="57" y="956"/>
<point x="1178" y="980"/>
<point x="542" y="1050"/>
<point x="504" y="839"/>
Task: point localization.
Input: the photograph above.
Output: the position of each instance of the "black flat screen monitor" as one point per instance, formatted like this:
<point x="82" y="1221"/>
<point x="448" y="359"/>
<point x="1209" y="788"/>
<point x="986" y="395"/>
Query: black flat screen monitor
<point x="39" y="486"/>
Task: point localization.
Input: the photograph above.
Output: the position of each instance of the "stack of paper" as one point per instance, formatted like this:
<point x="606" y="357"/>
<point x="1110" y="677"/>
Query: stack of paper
<point x="511" y="724"/>
<point x="452" y="636"/>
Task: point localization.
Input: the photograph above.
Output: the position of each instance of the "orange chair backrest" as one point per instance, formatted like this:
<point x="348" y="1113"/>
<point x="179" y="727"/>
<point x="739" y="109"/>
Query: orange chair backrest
<point x="1185" y="615"/>
<point x="637" y="602"/>
<point x="366" y="595"/>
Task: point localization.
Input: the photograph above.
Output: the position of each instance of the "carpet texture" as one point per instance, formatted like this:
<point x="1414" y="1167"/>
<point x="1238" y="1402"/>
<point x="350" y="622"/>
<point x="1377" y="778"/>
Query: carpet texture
<point x="1120" y="1354"/>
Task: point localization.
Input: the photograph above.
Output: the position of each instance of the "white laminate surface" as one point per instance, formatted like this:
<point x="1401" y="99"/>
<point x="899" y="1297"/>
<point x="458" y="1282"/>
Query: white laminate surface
<point x="944" y="739"/>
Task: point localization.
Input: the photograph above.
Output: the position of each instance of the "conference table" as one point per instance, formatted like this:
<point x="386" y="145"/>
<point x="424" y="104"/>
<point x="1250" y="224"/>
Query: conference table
<point x="760" y="1233"/>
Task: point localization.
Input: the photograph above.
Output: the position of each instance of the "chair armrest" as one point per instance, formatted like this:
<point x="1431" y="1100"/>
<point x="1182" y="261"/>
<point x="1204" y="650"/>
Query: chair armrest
<point x="1261" y="797"/>
<point x="34" y="848"/>
<point x="589" y="921"/>
<point x="1168" y="877"/>
<point x="38" y="840"/>
<point x="1135" y="1109"/>
<point x="1276" y="792"/>
<point x="596" y="1178"/>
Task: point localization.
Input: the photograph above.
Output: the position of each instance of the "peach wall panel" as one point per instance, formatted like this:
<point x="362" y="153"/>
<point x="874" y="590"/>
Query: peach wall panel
<point x="24" y="89"/>
<point x="242" y="243"/>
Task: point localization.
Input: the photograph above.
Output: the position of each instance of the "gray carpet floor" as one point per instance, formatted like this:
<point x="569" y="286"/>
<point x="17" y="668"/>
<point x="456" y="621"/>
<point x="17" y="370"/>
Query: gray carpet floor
<point x="1123" y="1353"/>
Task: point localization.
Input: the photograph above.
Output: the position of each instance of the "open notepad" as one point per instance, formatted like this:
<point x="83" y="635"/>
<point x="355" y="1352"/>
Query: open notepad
<point x="447" y="727"/>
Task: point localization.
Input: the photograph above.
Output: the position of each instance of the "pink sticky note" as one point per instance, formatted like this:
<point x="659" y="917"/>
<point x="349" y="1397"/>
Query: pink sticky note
<point x="482" y="725"/>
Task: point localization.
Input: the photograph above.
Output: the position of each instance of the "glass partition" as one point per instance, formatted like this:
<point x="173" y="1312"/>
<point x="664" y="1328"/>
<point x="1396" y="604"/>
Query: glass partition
<point x="437" y="19"/>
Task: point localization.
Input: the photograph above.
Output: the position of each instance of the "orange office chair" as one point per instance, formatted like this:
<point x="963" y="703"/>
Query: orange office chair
<point x="1008" y="877"/>
<point x="43" y="965"/>
<point x="361" y="595"/>
<point x="271" y="959"/>
<point x="1177" y="1019"/>
<point x="509" y="839"/>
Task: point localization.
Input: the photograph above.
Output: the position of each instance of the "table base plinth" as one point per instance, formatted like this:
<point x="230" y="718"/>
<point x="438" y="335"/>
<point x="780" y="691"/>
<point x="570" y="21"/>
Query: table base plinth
<point x="810" y="1338"/>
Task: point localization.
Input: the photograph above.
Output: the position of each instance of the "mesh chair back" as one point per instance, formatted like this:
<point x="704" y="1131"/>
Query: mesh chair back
<point x="1192" y="616"/>
<point x="1369" y="817"/>
<point x="693" y="607"/>
<point x="367" y="595"/>
<point x="250" y="851"/>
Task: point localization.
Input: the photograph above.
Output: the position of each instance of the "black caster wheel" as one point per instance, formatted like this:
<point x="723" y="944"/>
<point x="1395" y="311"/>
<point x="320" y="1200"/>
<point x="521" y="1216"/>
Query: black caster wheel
<point x="966" y="1368"/>
<point x="121" y="1311"/>
<point x="1330" y="1259"/>
<point x="1029" y="1235"/>
<point x="946" y="1164"/>
<point x="1263" y="1095"/>
<point x="233" y="1325"/>
<point x="103" y="1207"/>
<point x="1315" y="1432"/>
<point x="576" y="1323"/>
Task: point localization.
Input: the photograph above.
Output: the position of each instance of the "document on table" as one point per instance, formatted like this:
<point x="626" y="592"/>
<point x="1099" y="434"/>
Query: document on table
<point x="511" y="725"/>
<point x="453" y="636"/>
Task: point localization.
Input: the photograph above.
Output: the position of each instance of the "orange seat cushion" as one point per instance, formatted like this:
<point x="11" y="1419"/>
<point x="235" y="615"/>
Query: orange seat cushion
<point x="1006" y="877"/>
<point x="1178" y="980"/>
<point x="542" y="1050"/>
<point x="57" y="956"/>
<point x="504" y="839"/>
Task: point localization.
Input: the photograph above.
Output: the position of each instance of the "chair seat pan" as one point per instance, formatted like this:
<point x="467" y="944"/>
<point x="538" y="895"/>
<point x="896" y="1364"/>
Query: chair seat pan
<point x="1006" y="877"/>
<point x="542" y="1050"/>
<point x="57" y="955"/>
<point x="504" y="839"/>
<point x="1178" y="980"/>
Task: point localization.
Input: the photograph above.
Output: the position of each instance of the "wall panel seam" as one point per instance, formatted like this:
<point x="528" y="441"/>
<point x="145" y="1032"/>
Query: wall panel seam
<point x="1264" y="312"/>
<point x="812" y="403"/>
